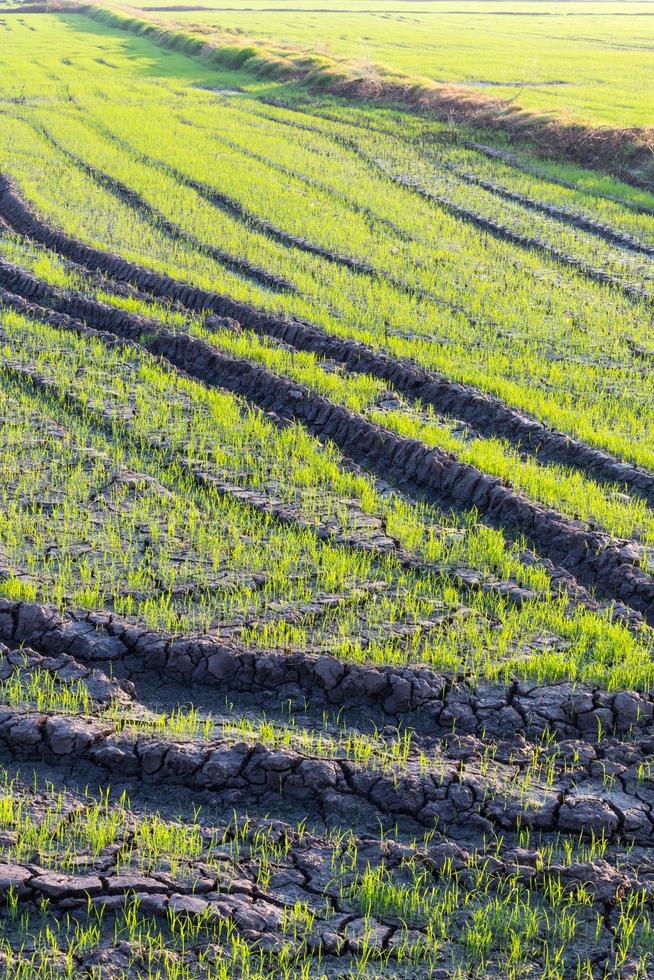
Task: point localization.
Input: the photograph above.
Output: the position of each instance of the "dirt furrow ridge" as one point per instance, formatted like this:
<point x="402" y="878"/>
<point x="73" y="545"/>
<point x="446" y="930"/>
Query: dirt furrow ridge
<point x="485" y="413"/>
<point x="429" y="473"/>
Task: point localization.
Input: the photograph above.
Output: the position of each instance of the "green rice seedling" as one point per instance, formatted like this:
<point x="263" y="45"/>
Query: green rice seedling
<point x="455" y="334"/>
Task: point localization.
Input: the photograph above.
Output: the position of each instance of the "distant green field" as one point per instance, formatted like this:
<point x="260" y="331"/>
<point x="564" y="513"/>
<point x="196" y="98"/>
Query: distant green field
<point x="591" y="61"/>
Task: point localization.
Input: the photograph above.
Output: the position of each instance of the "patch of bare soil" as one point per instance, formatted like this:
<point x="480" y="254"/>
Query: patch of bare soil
<point x="282" y="829"/>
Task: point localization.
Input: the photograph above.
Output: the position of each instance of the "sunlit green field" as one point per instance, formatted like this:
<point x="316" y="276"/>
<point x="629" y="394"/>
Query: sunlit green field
<point x="589" y="61"/>
<point x="310" y="666"/>
<point x="506" y="328"/>
<point x="571" y="356"/>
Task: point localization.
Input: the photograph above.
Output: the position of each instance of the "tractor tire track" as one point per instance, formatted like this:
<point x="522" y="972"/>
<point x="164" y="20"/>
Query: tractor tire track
<point x="493" y="153"/>
<point x="495" y="228"/>
<point x="562" y="582"/>
<point x="503" y="233"/>
<point x="429" y="474"/>
<point x="574" y="219"/>
<point x="129" y="197"/>
<point x="486" y="413"/>
<point x="284" y="514"/>
<point x="235" y="209"/>
<point x="566" y="709"/>
<point x="453" y="790"/>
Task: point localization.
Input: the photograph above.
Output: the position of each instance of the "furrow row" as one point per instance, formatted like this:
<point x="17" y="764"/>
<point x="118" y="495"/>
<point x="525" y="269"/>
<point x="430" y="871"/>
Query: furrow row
<point x="571" y="218"/>
<point x="235" y="209"/>
<point x="499" y="231"/>
<point x="287" y="514"/>
<point x="416" y="694"/>
<point x="486" y="414"/>
<point x="432" y="474"/>
<point x="505" y="234"/>
<point x="494" y="153"/>
<point x="126" y="195"/>
<point x="446" y="792"/>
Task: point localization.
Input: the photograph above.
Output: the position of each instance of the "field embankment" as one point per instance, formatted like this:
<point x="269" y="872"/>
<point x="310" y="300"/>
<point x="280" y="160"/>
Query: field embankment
<point x="625" y="152"/>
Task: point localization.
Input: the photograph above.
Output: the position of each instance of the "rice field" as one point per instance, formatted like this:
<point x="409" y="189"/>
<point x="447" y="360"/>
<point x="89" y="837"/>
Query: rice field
<point x="326" y="514"/>
<point x="583" y="60"/>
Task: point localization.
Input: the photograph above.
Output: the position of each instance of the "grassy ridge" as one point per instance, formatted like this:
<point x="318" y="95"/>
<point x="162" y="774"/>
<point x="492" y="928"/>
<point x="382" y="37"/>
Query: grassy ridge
<point x="559" y="58"/>
<point x="620" y="144"/>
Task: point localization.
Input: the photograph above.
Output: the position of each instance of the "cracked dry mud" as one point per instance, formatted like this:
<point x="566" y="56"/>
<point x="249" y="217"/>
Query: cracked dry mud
<point x="310" y="838"/>
<point x="430" y="474"/>
<point x="212" y="801"/>
<point x="364" y="821"/>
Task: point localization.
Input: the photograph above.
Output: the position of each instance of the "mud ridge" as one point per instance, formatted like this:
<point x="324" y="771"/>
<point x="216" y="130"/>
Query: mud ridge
<point x="571" y="218"/>
<point x="486" y="413"/>
<point x="466" y="580"/>
<point x="285" y="513"/>
<point x="432" y="474"/>
<point x="137" y="203"/>
<point x="415" y="694"/>
<point x="444" y="790"/>
<point x="562" y="581"/>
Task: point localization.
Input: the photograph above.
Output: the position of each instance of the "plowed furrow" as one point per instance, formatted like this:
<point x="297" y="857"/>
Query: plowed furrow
<point x="431" y="474"/>
<point x="467" y="580"/>
<point x="126" y="195"/>
<point x="287" y="514"/>
<point x="415" y="695"/>
<point x="488" y="225"/>
<point x="235" y="209"/>
<point x="438" y="788"/>
<point x="485" y="413"/>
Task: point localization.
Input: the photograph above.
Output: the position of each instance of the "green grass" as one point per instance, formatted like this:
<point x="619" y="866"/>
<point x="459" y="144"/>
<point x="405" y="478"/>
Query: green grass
<point x="129" y="489"/>
<point x="586" y="61"/>
<point x="522" y="326"/>
<point x="469" y="920"/>
<point x="210" y="550"/>
<point x="543" y="338"/>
